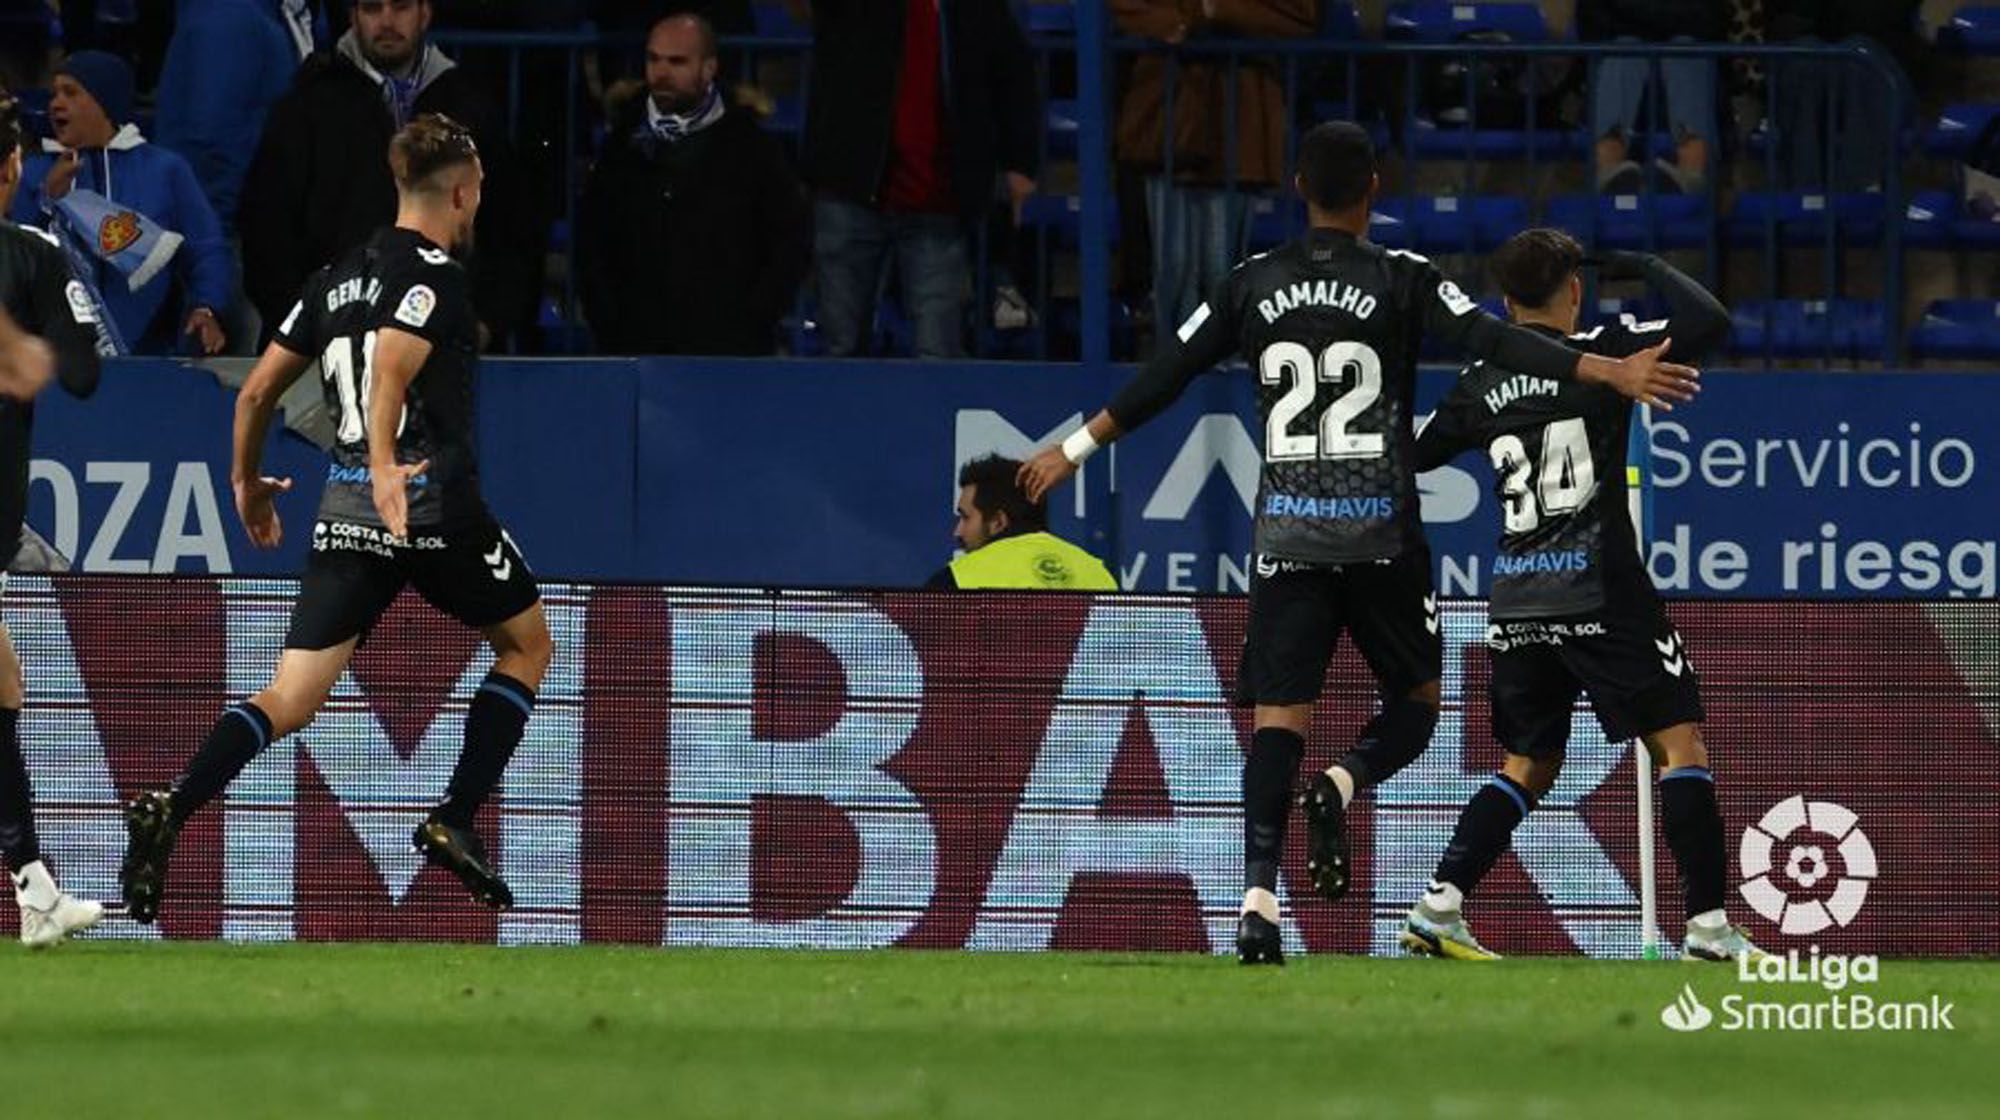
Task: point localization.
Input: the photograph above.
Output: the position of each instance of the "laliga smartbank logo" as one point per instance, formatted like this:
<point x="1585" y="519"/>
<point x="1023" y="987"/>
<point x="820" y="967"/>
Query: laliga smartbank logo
<point x="1832" y="1007"/>
<point x="1804" y="896"/>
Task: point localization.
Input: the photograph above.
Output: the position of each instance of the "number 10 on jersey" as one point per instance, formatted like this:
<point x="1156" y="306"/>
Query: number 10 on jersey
<point x="1290" y="360"/>
<point x="337" y="365"/>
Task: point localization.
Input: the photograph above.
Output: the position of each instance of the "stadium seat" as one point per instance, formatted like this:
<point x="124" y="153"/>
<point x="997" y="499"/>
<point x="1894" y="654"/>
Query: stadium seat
<point x="1843" y="329"/>
<point x="1052" y="18"/>
<point x="1974" y="29"/>
<point x="1274" y="221"/>
<point x="1802" y="217"/>
<point x="1338" y="19"/>
<point x="1935" y="220"/>
<point x="1431" y="139"/>
<point x="1061" y="127"/>
<point x="1458" y="223"/>
<point x="1956" y="128"/>
<point x="774" y="21"/>
<point x="1062" y="216"/>
<point x="1441" y="21"/>
<point x="1632" y="221"/>
<point x="1958" y="328"/>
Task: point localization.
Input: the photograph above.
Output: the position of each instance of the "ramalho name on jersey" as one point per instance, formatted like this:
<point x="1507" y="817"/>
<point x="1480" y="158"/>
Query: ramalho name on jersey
<point x="1331" y="326"/>
<point x="1558" y="451"/>
<point x="398" y="280"/>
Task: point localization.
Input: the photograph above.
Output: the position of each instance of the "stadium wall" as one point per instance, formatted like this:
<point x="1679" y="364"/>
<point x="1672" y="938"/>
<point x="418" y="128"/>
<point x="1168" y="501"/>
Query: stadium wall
<point x="842" y="474"/>
<point x="745" y="767"/>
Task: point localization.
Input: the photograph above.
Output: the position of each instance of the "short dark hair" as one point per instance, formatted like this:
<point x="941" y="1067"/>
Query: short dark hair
<point x="995" y="490"/>
<point x="1534" y="264"/>
<point x="10" y="124"/>
<point x="426" y="146"/>
<point x="709" y="47"/>
<point x="1336" y="164"/>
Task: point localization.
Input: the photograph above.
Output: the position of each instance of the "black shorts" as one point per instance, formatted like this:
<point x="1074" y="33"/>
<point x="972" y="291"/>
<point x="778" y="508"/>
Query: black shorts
<point x="1634" y="666"/>
<point x="1297" y="612"/>
<point x="474" y="574"/>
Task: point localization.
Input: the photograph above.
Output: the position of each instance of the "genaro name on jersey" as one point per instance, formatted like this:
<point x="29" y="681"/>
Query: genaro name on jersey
<point x="397" y="280"/>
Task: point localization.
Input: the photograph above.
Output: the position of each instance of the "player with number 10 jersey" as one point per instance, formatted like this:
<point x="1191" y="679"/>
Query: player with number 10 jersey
<point x="1331" y="326"/>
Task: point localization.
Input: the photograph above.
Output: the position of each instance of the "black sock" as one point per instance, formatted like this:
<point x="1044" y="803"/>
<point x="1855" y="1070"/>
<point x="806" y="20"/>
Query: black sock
<point x="1694" y="831"/>
<point x="493" y="728"/>
<point x="1391" y="741"/>
<point x="1485" y="830"/>
<point x="240" y="733"/>
<point x="1268" y="774"/>
<point x="18" y="844"/>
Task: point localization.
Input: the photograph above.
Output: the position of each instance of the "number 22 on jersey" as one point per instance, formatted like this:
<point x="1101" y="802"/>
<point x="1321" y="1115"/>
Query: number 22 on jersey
<point x="1335" y="364"/>
<point x="337" y="364"/>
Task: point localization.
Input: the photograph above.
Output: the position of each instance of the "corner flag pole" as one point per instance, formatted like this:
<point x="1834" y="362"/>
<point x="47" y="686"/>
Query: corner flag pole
<point x="1639" y="496"/>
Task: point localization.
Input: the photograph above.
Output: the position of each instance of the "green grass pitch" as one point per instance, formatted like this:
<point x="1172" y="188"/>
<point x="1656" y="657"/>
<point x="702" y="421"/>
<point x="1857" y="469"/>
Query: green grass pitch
<point x="132" y="1030"/>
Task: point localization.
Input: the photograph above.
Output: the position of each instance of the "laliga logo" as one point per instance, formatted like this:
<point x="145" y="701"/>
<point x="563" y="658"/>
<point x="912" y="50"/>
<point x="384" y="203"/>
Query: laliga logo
<point x="1686" y="1013"/>
<point x="1806" y="865"/>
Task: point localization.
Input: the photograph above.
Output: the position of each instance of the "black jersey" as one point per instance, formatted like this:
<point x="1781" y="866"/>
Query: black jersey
<point x="1331" y="325"/>
<point x="397" y="280"/>
<point x="44" y="299"/>
<point x="1558" y="449"/>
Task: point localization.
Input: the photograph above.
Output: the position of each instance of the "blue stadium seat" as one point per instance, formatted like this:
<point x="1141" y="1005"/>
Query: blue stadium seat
<point x="1802" y="217"/>
<point x="1433" y="140"/>
<point x="1956" y="128"/>
<point x="1843" y="329"/>
<point x="1338" y="19"/>
<point x="1441" y="21"/>
<point x="1052" y="18"/>
<point x="1958" y="328"/>
<point x="1935" y="220"/>
<point x="1456" y="223"/>
<point x="1061" y="127"/>
<point x="775" y="21"/>
<point x="1974" y="29"/>
<point x="1274" y="221"/>
<point x="1062" y="216"/>
<point x="1622" y="221"/>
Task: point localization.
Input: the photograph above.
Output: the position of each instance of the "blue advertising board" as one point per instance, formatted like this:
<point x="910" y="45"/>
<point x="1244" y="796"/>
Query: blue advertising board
<point x="844" y="474"/>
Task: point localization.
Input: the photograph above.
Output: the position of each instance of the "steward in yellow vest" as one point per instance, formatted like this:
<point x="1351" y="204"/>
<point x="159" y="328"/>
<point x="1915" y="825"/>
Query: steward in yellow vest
<point x="1006" y="539"/>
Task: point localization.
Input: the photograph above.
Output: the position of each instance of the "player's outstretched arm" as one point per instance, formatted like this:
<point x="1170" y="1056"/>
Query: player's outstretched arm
<point x="1208" y="337"/>
<point x="1696" y="319"/>
<point x="26" y="362"/>
<point x="399" y="357"/>
<point x="255" y="402"/>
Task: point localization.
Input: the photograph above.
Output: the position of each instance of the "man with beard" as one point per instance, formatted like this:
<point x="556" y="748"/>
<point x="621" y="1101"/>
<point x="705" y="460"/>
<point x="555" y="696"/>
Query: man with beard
<point x="318" y="185"/>
<point x="694" y="231"/>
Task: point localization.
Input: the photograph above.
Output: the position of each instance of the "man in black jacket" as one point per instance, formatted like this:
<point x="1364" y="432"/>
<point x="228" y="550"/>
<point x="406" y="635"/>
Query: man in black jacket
<point x="319" y="186"/>
<point x="916" y="107"/>
<point x="693" y="234"/>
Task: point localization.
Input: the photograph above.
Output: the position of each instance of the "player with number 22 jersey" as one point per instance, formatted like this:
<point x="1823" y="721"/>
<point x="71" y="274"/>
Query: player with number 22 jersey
<point x="1331" y="326"/>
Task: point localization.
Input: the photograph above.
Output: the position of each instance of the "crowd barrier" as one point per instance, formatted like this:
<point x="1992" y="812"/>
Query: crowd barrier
<point x="773" y="768"/>
<point x="844" y="474"/>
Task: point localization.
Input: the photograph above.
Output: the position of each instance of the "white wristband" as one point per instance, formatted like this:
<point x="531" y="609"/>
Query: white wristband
<point x="1079" y="446"/>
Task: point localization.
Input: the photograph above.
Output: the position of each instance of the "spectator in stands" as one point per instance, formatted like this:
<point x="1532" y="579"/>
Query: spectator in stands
<point x="131" y="213"/>
<point x="319" y="183"/>
<point x="1200" y="214"/>
<point x="1684" y="97"/>
<point x="227" y="62"/>
<point x="1816" y="100"/>
<point x="916" y="107"/>
<point x="693" y="232"/>
<point x="1006" y="539"/>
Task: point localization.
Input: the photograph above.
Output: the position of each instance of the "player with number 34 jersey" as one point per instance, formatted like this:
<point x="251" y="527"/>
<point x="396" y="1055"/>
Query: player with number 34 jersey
<point x="1331" y="326"/>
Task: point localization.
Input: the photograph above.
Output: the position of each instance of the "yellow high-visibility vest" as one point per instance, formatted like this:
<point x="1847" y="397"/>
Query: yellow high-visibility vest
<point x="1032" y="561"/>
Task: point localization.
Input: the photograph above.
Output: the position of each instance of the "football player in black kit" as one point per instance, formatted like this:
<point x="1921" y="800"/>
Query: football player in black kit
<point x="392" y="327"/>
<point x="1330" y="325"/>
<point x="1573" y="609"/>
<point x="46" y="333"/>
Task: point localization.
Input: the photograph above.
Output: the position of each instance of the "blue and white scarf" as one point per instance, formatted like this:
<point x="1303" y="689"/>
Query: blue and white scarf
<point x="672" y="128"/>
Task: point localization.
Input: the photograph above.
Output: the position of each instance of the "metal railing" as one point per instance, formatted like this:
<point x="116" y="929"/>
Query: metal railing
<point x="1366" y="87"/>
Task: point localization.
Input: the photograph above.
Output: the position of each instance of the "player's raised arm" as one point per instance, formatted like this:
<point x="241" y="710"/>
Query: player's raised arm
<point x="399" y="357"/>
<point x="1206" y="339"/>
<point x="1696" y="319"/>
<point x="69" y="323"/>
<point x="1645" y="376"/>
